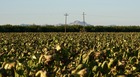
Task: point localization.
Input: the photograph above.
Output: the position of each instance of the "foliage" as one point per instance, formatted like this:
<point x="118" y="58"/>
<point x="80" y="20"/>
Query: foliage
<point x="69" y="54"/>
<point x="72" y="28"/>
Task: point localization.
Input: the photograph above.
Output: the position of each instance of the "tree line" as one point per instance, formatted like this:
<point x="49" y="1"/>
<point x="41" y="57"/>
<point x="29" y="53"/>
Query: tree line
<point x="72" y="28"/>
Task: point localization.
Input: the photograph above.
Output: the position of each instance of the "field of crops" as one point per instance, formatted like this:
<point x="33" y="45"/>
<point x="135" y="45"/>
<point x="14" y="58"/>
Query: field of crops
<point x="69" y="54"/>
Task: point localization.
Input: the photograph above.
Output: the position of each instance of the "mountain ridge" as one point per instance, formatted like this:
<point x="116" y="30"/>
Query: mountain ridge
<point x="76" y="22"/>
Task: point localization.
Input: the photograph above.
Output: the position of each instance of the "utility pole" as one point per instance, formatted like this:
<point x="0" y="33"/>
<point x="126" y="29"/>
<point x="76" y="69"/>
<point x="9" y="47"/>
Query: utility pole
<point x="84" y="18"/>
<point x="66" y="15"/>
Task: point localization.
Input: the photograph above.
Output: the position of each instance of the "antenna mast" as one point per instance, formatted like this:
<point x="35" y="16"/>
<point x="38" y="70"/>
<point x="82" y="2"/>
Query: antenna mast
<point x="84" y="18"/>
<point x="66" y="15"/>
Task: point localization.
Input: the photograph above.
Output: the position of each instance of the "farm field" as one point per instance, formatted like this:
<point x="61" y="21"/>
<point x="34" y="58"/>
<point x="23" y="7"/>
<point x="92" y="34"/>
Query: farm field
<point x="70" y="54"/>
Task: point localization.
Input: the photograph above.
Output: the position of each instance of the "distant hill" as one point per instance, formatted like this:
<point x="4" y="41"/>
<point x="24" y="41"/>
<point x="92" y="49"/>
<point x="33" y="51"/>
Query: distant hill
<point x="77" y="22"/>
<point x="25" y="24"/>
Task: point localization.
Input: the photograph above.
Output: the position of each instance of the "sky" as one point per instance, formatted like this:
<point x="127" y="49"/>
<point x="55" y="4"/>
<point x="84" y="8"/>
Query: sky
<point x="98" y="12"/>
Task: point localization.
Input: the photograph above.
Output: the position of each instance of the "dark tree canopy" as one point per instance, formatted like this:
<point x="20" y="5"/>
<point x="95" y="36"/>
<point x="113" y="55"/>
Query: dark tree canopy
<point x="72" y="28"/>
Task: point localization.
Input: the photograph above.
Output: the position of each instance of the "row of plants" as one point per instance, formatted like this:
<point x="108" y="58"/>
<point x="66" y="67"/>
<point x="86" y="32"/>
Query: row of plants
<point x="69" y="28"/>
<point x="69" y="54"/>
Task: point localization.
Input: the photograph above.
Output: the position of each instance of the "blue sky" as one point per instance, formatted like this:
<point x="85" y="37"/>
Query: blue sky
<point x="98" y="12"/>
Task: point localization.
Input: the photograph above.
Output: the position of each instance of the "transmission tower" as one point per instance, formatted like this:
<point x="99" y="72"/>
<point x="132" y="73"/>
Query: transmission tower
<point x="84" y="18"/>
<point x="66" y="15"/>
